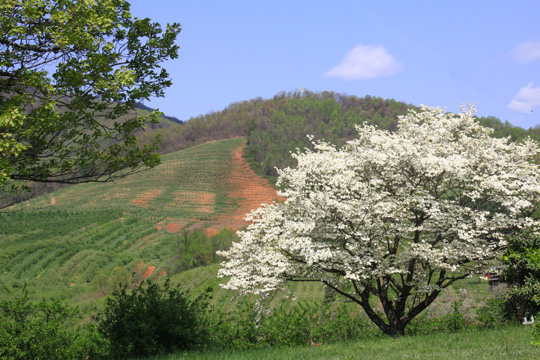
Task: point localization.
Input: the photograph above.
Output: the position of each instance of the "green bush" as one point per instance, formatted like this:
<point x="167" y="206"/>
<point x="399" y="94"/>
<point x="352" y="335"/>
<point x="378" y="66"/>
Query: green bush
<point x="250" y="327"/>
<point x="492" y="315"/>
<point x="151" y="319"/>
<point x="45" y="330"/>
<point x="522" y="271"/>
<point x="423" y="325"/>
<point x="454" y="321"/>
<point x="195" y="248"/>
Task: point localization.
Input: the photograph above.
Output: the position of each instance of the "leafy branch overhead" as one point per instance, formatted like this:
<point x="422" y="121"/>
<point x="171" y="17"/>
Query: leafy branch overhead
<point x="398" y="216"/>
<point x="71" y="72"/>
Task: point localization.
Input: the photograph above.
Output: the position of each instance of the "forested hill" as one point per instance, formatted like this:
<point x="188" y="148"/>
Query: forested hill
<point x="275" y="127"/>
<point x="174" y="119"/>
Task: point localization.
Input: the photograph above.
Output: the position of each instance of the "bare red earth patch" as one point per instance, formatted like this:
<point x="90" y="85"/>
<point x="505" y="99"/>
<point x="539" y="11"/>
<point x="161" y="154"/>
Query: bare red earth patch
<point x="139" y="266"/>
<point x="206" y="202"/>
<point x="146" y="197"/>
<point x="74" y="268"/>
<point x="248" y="189"/>
<point x="174" y="227"/>
<point x="149" y="271"/>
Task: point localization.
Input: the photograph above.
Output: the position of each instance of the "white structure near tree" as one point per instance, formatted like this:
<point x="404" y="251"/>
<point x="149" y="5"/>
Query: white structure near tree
<point x="397" y="216"/>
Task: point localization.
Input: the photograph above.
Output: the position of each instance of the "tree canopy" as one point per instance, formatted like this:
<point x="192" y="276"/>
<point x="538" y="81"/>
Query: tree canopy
<point x="71" y="72"/>
<point x="398" y="216"/>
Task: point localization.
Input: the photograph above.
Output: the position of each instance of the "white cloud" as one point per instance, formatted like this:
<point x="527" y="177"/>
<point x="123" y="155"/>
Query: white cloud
<point x="526" y="52"/>
<point x="364" y="62"/>
<point x="526" y="99"/>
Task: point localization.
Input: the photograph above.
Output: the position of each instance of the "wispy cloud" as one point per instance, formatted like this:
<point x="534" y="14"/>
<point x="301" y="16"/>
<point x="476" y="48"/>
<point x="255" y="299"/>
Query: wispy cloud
<point x="526" y="99"/>
<point x="364" y="62"/>
<point x="526" y="52"/>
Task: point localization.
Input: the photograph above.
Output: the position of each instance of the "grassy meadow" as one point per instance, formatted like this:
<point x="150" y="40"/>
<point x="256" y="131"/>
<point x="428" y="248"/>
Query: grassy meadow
<point x="503" y="344"/>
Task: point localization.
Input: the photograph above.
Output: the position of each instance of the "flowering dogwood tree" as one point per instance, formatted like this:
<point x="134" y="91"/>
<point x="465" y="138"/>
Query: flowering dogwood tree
<point x="396" y="216"/>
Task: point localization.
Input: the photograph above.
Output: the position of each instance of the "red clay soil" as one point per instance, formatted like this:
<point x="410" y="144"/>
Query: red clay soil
<point x="144" y="198"/>
<point x="248" y="189"/>
<point x="136" y="241"/>
<point x="206" y="202"/>
<point x="149" y="271"/>
<point x="74" y="268"/>
<point x="139" y="266"/>
<point x="172" y="225"/>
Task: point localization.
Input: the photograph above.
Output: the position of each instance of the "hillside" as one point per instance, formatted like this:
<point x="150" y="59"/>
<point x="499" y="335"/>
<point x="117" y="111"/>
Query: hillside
<point x="88" y="238"/>
<point x="36" y="189"/>
<point x="275" y="127"/>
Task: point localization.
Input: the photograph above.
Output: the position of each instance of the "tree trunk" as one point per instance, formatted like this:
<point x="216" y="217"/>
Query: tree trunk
<point x="395" y="326"/>
<point x="397" y="321"/>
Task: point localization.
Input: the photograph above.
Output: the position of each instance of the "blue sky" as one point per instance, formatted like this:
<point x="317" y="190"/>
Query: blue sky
<point x="437" y="53"/>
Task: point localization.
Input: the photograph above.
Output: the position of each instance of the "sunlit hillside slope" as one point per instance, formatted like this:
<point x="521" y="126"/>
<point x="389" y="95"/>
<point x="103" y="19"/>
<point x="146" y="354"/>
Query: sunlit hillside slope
<point x="85" y="235"/>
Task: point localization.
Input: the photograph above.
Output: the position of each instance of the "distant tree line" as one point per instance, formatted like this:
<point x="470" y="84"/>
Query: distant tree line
<point x="275" y="127"/>
<point x="286" y="120"/>
<point x="505" y="129"/>
<point x="149" y="109"/>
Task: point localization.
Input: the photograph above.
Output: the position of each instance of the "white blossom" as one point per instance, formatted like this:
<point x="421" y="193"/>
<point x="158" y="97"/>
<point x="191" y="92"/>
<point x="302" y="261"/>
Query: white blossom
<point x="409" y="211"/>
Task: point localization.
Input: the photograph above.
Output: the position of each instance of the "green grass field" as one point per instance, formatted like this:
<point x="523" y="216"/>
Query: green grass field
<point x="507" y="343"/>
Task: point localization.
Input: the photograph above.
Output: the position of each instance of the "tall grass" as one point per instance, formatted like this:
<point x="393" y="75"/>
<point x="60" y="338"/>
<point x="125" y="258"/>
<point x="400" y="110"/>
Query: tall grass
<point x="506" y="343"/>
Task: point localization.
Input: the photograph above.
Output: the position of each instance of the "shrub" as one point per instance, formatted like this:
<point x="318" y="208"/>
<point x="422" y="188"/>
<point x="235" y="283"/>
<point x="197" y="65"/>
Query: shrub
<point x="522" y="271"/>
<point x="45" y="330"/>
<point x="248" y="326"/>
<point x="151" y="319"/>
<point x="493" y="314"/>
<point x="535" y="336"/>
<point x="455" y="321"/>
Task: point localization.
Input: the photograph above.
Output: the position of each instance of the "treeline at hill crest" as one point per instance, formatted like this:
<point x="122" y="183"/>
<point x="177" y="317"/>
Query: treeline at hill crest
<point x="280" y="125"/>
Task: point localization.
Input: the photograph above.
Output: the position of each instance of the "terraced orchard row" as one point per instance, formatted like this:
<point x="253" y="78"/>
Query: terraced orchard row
<point x="138" y="227"/>
<point x="72" y="246"/>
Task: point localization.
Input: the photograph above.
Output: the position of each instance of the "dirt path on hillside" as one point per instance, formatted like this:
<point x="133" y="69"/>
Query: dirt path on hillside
<point x="248" y="189"/>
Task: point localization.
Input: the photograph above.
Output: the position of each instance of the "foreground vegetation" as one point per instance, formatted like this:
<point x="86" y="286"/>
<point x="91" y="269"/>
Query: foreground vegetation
<point x="506" y="343"/>
<point x="161" y="318"/>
